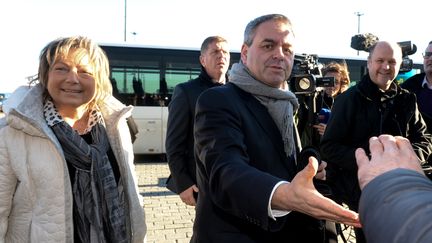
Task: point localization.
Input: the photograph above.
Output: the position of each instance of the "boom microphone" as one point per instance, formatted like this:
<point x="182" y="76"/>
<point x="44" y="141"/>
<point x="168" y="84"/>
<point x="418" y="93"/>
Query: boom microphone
<point x="362" y="42"/>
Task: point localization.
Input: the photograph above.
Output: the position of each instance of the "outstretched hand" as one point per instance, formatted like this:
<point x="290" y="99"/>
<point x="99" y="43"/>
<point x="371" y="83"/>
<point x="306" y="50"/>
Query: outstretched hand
<point x="301" y="195"/>
<point x="387" y="153"/>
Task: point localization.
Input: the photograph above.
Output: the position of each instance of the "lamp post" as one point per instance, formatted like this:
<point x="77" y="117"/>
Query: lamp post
<point x="358" y="24"/>
<point x="125" y="18"/>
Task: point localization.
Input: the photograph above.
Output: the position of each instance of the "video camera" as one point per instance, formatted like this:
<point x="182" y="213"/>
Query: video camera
<point x="363" y="42"/>
<point x="407" y="49"/>
<point x="307" y="83"/>
<point x="306" y="75"/>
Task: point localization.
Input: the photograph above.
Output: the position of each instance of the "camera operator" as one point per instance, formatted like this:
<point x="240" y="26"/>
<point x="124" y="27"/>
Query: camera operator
<point x="342" y="81"/>
<point x="308" y="85"/>
<point x="314" y="112"/>
<point x="374" y="106"/>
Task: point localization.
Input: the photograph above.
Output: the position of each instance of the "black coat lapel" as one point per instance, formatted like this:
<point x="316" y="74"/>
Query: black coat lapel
<point x="263" y="117"/>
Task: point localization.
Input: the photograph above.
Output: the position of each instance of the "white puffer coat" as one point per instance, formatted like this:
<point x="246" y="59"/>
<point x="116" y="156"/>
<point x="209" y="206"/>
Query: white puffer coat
<point x="35" y="189"/>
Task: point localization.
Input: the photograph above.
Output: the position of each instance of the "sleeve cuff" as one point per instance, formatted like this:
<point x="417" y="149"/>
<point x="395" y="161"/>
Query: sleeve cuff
<point x="273" y="213"/>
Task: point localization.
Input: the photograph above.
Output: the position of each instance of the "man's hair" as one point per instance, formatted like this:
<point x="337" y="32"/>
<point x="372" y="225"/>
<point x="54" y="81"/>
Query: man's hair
<point x="249" y="33"/>
<point x="372" y="48"/>
<point x="209" y="40"/>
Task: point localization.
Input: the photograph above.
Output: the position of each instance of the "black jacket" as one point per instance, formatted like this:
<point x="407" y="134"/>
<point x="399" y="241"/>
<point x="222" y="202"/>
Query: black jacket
<point x="240" y="158"/>
<point x="360" y="113"/>
<point x="414" y="84"/>
<point x="179" y="142"/>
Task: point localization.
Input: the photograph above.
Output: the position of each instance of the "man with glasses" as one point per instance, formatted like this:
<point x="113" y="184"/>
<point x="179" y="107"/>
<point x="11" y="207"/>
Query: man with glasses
<point x="421" y="85"/>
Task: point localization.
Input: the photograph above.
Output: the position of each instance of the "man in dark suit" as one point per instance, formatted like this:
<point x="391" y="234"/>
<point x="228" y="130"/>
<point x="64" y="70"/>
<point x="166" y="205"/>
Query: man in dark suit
<point x="250" y="187"/>
<point x="214" y="59"/>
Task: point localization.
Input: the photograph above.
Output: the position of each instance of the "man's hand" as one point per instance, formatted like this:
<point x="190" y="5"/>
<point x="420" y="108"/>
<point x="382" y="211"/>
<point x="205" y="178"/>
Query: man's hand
<point x="387" y="153"/>
<point x="300" y="195"/>
<point x="321" y="173"/>
<point x="187" y="196"/>
<point x="320" y="128"/>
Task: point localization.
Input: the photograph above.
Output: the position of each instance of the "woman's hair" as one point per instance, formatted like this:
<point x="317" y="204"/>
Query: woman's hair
<point x="60" y="49"/>
<point x="341" y="68"/>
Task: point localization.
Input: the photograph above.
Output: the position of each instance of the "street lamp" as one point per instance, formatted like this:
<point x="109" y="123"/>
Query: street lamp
<point x="358" y="24"/>
<point x="125" y="17"/>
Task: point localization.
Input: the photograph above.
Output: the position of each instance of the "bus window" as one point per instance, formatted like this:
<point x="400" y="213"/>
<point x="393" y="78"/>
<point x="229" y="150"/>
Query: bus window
<point x="136" y="86"/>
<point x="174" y="77"/>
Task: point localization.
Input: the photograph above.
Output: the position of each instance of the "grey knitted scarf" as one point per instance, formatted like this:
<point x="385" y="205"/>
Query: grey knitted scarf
<point x="280" y="104"/>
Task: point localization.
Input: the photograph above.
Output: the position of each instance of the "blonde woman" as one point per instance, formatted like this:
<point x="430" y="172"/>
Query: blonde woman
<point x="66" y="159"/>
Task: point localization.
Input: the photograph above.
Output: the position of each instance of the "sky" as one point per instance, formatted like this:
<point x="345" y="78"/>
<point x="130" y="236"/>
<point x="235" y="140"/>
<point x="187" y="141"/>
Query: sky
<point x="322" y="27"/>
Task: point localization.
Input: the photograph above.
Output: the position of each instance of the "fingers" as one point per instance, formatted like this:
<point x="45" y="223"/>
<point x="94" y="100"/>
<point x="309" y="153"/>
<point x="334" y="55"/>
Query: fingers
<point x="387" y="153"/>
<point x="322" y="166"/>
<point x="312" y="165"/>
<point x="389" y="144"/>
<point x="406" y="148"/>
<point x="361" y="158"/>
<point x="187" y="195"/>
<point x="321" y="173"/>
<point x="195" y="188"/>
<point x="363" y="166"/>
<point x="404" y="145"/>
<point x="325" y="208"/>
<point x="189" y="201"/>
<point x="375" y="146"/>
<point x="320" y="128"/>
<point x="337" y="213"/>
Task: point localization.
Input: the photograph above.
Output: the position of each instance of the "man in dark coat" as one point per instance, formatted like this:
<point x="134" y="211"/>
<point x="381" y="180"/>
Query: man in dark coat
<point x="249" y="184"/>
<point x="375" y="106"/>
<point x="214" y="59"/>
<point x="421" y="85"/>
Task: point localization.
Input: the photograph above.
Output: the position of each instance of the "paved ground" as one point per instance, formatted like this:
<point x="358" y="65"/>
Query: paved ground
<point x="168" y="219"/>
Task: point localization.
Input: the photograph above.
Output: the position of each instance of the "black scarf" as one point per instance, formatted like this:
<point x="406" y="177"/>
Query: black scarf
<point x="370" y="90"/>
<point x="99" y="207"/>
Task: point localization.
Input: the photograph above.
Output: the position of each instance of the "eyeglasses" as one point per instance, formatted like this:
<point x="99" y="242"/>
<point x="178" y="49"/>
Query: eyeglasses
<point x="427" y="54"/>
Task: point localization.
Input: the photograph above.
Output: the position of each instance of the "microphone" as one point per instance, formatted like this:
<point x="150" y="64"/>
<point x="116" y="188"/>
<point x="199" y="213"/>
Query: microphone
<point x="324" y="115"/>
<point x="362" y="42"/>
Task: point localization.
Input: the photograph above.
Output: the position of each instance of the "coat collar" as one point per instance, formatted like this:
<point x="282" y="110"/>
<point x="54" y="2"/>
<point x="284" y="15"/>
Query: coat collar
<point x="371" y="91"/>
<point x="28" y="115"/>
<point x="205" y="77"/>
